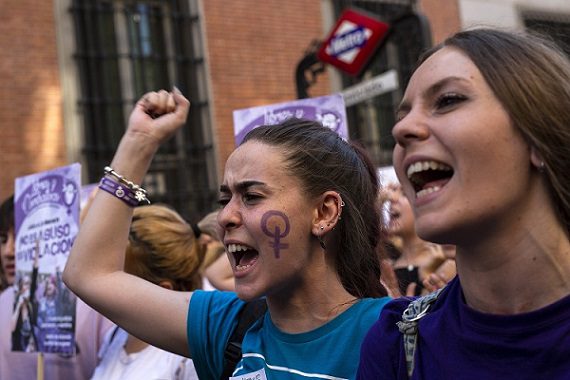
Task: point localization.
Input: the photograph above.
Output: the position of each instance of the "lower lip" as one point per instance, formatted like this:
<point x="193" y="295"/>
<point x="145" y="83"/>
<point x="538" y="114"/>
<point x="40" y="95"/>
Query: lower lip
<point x="428" y="198"/>
<point x="244" y="272"/>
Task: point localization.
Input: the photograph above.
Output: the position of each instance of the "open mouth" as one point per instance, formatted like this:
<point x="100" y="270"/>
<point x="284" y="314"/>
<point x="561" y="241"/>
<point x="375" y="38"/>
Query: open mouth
<point x="244" y="256"/>
<point x="428" y="176"/>
<point x="394" y="215"/>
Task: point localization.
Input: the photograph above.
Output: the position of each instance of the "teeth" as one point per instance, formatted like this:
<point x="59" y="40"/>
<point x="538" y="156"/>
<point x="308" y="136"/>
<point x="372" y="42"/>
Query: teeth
<point x="233" y="248"/>
<point x="426" y="165"/>
<point x="427" y="191"/>
<point x="243" y="267"/>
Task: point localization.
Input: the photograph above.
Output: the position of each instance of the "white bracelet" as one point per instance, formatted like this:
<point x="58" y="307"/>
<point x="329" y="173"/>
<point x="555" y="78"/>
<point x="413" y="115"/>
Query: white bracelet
<point x="140" y="193"/>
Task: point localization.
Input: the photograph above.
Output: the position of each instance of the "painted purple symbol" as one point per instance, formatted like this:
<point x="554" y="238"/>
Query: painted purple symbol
<point x="276" y="233"/>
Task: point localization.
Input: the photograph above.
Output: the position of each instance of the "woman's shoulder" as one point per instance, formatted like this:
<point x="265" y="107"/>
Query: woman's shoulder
<point x="212" y="299"/>
<point x="373" y="303"/>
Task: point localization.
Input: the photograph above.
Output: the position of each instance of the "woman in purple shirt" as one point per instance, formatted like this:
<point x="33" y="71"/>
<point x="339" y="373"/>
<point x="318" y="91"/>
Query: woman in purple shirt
<point x="483" y="152"/>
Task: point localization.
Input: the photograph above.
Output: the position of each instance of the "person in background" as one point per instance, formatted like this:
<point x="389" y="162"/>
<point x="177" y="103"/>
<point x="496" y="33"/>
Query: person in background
<point x="23" y="324"/>
<point x="483" y="147"/>
<point x="300" y="222"/>
<point x="418" y="258"/>
<point x="161" y="249"/>
<point x="7" y="245"/>
<point x="216" y="268"/>
<point x="90" y="326"/>
<point x="441" y="272"/>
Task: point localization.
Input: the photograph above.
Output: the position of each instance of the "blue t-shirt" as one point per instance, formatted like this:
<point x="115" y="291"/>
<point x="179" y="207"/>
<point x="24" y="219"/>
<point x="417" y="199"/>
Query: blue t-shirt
<point x="328" y="352"/>
<point x="457" y="342"/>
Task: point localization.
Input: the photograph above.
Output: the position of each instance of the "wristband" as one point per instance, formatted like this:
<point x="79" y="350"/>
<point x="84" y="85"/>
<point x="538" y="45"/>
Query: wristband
<point x="119" y="191"/>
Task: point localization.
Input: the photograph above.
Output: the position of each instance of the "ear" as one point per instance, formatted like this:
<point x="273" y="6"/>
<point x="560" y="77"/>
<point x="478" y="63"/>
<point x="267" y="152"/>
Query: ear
<point x="536" y="159"/>
<point x="166" y="284"/>
<point x="327" y="212"/>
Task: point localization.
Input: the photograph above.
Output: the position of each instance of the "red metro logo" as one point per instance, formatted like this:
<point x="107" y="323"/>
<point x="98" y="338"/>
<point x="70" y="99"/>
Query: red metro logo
<point x="352" y="41"/>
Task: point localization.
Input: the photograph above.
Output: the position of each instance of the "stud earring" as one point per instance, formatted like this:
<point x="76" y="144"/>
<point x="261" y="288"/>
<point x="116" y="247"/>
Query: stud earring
<point x="342" y="204"/>
<point x="541" y="167"/>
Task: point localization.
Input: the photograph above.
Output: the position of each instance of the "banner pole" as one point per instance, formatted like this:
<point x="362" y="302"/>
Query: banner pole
<point x="40" y="373"/>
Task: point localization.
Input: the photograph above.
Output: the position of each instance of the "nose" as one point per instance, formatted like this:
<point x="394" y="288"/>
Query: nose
<point x="413" y="127"/>
<point x="229" y="216"/>
<point x="392" y="197"/>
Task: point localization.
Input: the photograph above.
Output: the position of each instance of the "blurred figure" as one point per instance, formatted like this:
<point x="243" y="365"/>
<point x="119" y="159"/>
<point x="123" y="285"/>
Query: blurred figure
<point x="90" y="326"/>
<point x="216" y="269"/>
<point x="441" y="272"/>
<point x="418" y="258"/>
<point x="7" y="245"/>
<point x="22" y="327"/>
<point x="162" y="249"/>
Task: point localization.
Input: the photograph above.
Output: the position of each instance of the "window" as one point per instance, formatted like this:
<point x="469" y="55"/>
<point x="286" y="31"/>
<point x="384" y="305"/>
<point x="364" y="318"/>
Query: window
<point x="556" y="26"/>
<point x="125" y="49"/>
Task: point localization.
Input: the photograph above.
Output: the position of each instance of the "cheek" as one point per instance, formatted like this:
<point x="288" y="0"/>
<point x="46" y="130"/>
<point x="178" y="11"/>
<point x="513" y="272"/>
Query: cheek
<point x="276" y="226"/>
<point x="408" y="214"/>
<point x="397" y="157"/>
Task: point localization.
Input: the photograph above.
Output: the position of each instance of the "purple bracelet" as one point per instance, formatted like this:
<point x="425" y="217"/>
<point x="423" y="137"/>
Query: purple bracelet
<point x="120" y="191"/>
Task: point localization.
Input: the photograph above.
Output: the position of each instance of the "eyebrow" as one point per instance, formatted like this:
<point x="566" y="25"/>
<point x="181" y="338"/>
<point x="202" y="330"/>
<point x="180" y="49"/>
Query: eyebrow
<point x="241" y="186"/>
<point x="433" y="89"/>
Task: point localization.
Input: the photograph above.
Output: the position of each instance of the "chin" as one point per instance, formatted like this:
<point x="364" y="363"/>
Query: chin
<point x="434" y="234"/>
<point x="247" y="293"/>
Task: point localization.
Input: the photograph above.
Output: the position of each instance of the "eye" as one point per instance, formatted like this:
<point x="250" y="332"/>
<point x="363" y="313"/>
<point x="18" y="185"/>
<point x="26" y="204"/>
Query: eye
<point x="398" y="116"/>
<point x="251" y="197"/>
<point x="223" y="200"/>
<point x="448" y="100"/>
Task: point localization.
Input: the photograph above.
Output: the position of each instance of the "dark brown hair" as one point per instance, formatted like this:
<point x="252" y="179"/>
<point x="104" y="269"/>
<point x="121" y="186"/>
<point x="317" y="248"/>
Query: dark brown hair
<point x="323" y="161"/>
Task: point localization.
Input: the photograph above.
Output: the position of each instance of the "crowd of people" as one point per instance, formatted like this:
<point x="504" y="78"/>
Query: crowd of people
<point x="467" y="277"/>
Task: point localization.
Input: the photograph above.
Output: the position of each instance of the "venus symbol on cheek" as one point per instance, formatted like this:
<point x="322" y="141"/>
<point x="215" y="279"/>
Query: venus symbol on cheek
<point x="272" y="224"/>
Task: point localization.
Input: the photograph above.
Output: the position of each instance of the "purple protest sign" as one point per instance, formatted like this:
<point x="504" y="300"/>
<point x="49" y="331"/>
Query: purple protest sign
<point x="328" y="110"/>
<point x="46" y="208"/>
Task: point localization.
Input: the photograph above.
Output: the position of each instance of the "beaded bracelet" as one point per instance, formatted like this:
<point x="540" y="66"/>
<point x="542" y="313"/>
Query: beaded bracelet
<point x="139" y="192"/>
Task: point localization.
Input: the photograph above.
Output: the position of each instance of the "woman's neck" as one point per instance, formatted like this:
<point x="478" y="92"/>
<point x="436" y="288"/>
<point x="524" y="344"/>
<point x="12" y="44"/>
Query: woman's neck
<point x="524" y="272"/>
<point x="310" y="305"/>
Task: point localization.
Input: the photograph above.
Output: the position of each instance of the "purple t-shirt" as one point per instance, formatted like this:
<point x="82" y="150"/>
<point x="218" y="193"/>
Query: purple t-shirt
<point x="457" y="342"/>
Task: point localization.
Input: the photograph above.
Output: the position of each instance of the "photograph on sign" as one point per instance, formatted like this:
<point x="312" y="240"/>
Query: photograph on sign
<point x="329" y="110"/>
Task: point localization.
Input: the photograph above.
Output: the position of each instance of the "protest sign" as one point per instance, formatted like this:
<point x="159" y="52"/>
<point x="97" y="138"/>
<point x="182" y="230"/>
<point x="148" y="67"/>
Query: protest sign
<point x="328" y="110"/>
<point x="46" y="208"/>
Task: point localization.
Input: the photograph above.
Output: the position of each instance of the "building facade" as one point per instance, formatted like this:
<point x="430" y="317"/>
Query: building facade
<point x="72" y="70"/>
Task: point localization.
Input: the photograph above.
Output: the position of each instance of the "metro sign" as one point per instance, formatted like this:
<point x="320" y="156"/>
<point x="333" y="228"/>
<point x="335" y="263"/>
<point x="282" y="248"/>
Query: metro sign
<point x="352" y="41"/>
